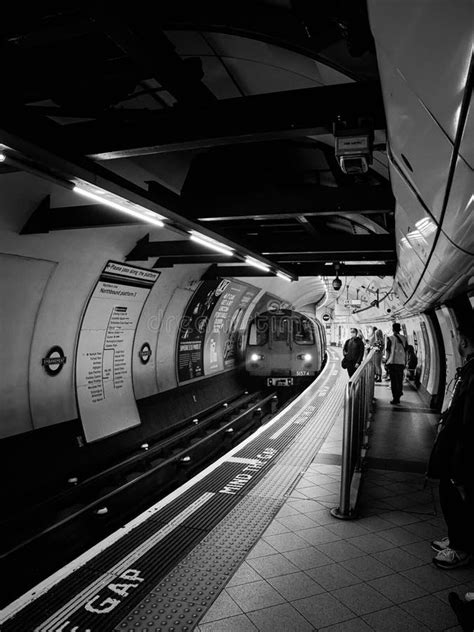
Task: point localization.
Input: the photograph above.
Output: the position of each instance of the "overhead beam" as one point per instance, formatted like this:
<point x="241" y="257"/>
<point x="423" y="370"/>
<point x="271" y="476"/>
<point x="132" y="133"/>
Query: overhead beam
<point x="304" y="269"/>
<point x="210" y="257"/>
<point x="375" y="255"/>
<point x="336" y="247"/>
<point x="311" y="269"/>
<point x="293" y="113"/>
<point x="45" y="219"/>
<point x="289" y="202"/>
<point x="337" y="243"/>
<point x="173" y="250"/>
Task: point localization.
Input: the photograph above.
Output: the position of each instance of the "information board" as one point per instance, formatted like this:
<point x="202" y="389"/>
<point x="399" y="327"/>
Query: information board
<point x="104" y="386"/>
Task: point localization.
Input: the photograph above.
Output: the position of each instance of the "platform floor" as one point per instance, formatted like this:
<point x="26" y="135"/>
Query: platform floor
<point x="250" y="544"/>
<point x="310" y="571"/>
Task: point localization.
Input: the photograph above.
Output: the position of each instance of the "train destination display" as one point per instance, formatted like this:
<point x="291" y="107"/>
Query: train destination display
<point x="104" y="385"/>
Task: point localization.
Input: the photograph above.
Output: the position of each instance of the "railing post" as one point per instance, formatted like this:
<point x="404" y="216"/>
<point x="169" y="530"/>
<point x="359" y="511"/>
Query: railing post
<point x="358" y="397"/>
<point x="344" y="502"/>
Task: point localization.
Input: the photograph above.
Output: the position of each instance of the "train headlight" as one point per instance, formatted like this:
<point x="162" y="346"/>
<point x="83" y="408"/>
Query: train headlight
<point x="307" y="357"/>
<point x="255" y="357"/>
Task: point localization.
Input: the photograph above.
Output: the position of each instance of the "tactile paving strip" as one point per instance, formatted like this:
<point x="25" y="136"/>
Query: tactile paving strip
<point x="184" y="595"/>
<point x="181" y="599"/>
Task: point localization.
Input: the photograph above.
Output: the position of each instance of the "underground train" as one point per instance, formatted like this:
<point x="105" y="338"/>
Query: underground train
<point x="285" y="348"/>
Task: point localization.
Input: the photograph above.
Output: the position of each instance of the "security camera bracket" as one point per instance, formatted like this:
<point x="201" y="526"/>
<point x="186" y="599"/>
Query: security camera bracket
<point x="353" y="146"/>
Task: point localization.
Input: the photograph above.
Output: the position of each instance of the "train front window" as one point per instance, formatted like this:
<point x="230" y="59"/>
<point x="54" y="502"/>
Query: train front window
<point x="303" y="333"/>
<point x="258" y="332"/>
<point x="281" y="329"/>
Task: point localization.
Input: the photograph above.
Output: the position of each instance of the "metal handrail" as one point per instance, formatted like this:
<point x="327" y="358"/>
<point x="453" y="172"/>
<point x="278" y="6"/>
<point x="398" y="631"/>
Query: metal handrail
<point x="358" y="397"/>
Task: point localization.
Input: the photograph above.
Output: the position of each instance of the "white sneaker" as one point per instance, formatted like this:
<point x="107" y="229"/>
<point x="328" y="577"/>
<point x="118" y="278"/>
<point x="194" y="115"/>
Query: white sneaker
<point x="450" y="558"/>
<point x="441" y="544"/>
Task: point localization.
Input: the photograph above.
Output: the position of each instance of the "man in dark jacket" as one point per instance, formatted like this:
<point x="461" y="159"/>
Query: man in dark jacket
<point x="395" y="354"/>
<point x="353" y="352"/>
<point x="452" y="461"/>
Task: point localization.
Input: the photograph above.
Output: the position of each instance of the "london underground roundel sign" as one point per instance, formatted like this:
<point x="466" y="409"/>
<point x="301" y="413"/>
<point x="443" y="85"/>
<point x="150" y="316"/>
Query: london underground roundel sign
<point x="54" y="360"/>
<point x="145" y="353"/>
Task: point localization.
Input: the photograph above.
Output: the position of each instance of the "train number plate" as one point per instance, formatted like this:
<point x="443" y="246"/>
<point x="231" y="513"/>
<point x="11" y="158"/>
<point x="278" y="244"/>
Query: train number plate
<point x="302" y="373"/>
<point x="279" y="381"/>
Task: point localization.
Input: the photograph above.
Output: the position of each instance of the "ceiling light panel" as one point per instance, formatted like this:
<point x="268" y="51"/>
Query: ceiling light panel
<point x="119" y="204"/>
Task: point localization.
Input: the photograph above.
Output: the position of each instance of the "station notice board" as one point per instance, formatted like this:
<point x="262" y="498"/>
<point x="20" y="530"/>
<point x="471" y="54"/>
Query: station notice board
<point x="104" y="385"/>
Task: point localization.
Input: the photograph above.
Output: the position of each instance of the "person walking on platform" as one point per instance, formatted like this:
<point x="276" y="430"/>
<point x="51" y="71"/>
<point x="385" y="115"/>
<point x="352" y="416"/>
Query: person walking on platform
<point x="452" y="462"/>
<point x="395" y="354"/>
<point x="353" y="351"/>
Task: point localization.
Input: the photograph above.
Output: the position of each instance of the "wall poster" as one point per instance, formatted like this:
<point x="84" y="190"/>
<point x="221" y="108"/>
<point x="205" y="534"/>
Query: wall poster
<point x="208" y="336"/>
<point x="220" y="346"/>
<point x="426" y="358"/>
<point x="192" y="330"/>
<point x="104" y="386"/>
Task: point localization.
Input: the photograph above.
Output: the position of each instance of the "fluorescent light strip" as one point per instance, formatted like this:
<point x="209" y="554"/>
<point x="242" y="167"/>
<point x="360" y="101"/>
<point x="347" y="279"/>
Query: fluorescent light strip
<point x="284" y="276"/>
<point x="257" y="264"/>
<point x="208" y="242"/>
<point x="145" y="215"/>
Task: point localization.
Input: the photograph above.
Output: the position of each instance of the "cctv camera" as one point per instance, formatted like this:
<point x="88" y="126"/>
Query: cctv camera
<point x="337" y="283"/>
<point x="352" y="165"/>
<point x="353" y="148"/>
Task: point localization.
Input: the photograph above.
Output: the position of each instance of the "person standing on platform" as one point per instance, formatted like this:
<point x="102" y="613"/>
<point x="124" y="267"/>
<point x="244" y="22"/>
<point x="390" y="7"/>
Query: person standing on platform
<point x="452" y="462"/>
<point x="376" y="342"/>
<point x="396" y="359"/>
<point x="353" y="351"/>
<point x="371" y="340"/>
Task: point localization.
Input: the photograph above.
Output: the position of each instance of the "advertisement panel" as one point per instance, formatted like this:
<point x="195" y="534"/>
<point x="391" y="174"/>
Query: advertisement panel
<point x="221" y="341"/>
<point x="192" y="330"/>
<point x="104" y="387"/>
<point x="427" y="358"/>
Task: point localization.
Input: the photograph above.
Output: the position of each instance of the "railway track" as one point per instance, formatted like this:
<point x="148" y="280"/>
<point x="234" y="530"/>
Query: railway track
<point x="45" y="536"/>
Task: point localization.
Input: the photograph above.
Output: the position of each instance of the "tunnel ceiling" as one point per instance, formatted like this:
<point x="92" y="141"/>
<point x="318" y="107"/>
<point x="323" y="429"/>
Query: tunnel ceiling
<point x="227" y="106"/>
